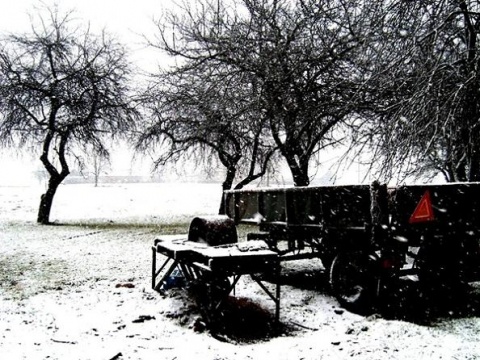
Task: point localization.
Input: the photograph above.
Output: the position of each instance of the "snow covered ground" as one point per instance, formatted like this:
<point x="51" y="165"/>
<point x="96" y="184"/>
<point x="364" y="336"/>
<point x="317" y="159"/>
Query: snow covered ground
<point x="142" y="203"/>
<point x="81" y="290"/>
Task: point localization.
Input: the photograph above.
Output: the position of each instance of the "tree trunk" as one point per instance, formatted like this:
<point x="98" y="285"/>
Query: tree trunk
<point x="46" y="200"/>
<point x="227" y="185"/>
<point x="56" y="177"/>
<point x="299" y="172"/>
<point x="475" y="165"/>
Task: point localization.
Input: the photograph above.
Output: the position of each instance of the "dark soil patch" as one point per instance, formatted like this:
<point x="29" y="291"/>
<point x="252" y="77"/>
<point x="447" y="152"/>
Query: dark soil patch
<point x="242" y="320"/>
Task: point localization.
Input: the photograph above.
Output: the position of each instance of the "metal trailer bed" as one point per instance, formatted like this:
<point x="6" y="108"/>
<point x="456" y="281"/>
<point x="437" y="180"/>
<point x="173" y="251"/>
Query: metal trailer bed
<point x="367" y="236"/>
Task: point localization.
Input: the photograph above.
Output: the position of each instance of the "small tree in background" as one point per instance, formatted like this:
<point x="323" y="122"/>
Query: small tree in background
<point x="99" y="166"/>
<point x="93" y="164"/>
<point x="62" y="89"/>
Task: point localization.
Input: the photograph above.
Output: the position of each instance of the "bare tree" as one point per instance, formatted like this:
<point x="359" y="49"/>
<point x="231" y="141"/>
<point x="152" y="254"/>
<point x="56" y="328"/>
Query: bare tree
<point x="61" y="89"/>
<point x="99" y="164"/>
<point x="300" y="55"/>
<point x="206" y="114"/>
<point x="427" y="86"/>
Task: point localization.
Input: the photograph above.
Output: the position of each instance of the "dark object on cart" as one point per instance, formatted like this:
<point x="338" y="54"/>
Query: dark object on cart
<point x="369" y="236"/>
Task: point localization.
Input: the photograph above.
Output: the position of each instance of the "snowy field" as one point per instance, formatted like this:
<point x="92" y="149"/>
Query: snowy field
<point x="81" y="290"/>
<point x="144" y="203"/>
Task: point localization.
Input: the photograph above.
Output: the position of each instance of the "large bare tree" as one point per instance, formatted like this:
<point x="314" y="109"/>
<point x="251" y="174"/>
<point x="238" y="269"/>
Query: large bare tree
<point x="427" y="85"/>
<point x="62" y="89"/>
<point x="298" y="54"/>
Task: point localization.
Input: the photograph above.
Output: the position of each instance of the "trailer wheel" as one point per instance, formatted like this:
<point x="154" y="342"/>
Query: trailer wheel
<point x="354" y="281"/>
<point x="439" y="266"/>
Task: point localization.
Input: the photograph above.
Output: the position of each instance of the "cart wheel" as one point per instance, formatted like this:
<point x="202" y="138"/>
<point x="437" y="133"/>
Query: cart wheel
<point x="212" y="291"/>
<point x="219" y="287"/>
<point x="354" y="282"/>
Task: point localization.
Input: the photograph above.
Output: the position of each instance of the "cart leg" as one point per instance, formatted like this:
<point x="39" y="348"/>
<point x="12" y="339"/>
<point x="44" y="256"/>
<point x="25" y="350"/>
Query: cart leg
<point x="277" y="293"/>
<point x="187" y="272"/>
<point x="167" y="274"/>
<point x="155" y="273"/>
<point x="274" y="297"/>
<point x="154" y="265"/>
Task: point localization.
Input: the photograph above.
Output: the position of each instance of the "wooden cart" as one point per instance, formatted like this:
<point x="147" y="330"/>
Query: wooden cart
<point x="217" y="267"/>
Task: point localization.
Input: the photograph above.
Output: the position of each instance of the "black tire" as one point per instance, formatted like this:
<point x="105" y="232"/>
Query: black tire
<point x="439" y="266"/>
<point x="354" y="281"/>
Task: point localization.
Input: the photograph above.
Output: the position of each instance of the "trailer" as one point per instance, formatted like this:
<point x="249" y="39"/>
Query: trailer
<point x="367" y="236"/>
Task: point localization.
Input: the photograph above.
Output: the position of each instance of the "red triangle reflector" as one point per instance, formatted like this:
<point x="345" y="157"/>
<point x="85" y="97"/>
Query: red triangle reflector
<point x="424" y="211"/>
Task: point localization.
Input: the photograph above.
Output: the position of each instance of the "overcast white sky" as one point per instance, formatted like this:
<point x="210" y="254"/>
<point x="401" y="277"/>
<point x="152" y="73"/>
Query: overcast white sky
<point x="127" y="19"/>
<point x="118" y="15"/>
